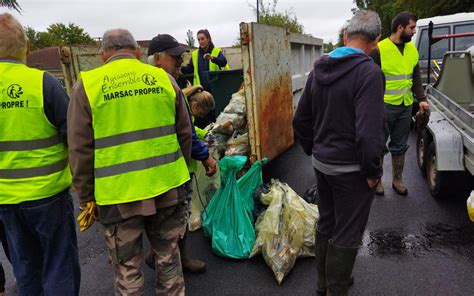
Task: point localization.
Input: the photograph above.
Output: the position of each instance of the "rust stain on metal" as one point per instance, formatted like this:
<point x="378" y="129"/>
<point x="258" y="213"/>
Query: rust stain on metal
<point x="276" y="116"/>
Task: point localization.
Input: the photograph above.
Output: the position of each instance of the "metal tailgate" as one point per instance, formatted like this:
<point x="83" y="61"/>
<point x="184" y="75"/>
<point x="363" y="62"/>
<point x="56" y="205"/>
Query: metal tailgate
<point x="275" y="64"/>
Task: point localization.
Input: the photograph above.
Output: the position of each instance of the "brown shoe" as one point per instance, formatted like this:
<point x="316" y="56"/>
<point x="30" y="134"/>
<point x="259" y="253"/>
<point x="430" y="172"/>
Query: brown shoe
<point x="193" y="265"/>
<point x="398" y="162"/>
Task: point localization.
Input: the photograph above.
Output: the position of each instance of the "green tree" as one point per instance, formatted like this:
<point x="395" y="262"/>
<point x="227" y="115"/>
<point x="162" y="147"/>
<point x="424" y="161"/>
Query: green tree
<point x="32" y="35"/>
<point x="190" y="39"/>
<point x="270" y="16"/>
<point x="422" y="8"/>
<point x="58" y="34"/>
<point x="386" y="10"/>
<point x="70" y="34"/>
<point x="328" y="47"/>
<point x="11" y="4"/>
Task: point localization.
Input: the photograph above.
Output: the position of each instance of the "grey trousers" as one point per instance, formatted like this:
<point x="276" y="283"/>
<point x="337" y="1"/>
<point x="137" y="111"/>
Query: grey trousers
<point x="397" y="128"/>
<point x="344" y="207"/>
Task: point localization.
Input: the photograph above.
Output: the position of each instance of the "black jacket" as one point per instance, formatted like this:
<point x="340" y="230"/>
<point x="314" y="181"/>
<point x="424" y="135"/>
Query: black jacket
<point x="340" y="115"/>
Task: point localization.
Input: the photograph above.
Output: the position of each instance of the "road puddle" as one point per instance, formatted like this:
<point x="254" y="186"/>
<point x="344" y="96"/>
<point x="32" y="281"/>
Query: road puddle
<point x="440" y="238"/>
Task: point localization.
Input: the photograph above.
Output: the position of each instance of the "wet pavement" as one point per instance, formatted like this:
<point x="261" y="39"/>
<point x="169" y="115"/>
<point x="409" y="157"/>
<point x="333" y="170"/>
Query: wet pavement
<point x="413" y="245"/>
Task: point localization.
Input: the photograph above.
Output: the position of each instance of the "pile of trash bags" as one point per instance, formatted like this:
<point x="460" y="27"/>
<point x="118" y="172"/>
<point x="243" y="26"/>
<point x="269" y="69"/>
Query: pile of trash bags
<point x="242" y="216"/>
<point x="229" y="135"/>
<point x="228" y="218"/>
<point x="285" y="230"/>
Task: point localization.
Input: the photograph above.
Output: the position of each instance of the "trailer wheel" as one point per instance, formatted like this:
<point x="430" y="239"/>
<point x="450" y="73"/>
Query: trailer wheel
<point x="422" y="144"/>
<point x="444" y="184"/>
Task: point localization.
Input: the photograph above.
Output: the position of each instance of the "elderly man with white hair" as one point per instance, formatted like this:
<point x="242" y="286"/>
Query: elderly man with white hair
<point x="130" y="142"/>
<point x="35" y="204"/>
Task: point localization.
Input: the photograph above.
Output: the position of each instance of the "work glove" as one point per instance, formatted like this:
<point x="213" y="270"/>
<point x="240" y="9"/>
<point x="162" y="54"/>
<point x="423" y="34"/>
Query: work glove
<point x="88" y="215"/>
<point x="422" y="118"/>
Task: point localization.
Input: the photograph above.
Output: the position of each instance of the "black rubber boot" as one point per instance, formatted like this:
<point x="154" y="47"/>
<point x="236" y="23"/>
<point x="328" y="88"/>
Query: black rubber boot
<point x="339" y="264"/>
<point x="321" y="247"/>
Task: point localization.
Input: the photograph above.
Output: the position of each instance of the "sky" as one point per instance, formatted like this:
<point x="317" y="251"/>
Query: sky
<point x="146" y="18"/>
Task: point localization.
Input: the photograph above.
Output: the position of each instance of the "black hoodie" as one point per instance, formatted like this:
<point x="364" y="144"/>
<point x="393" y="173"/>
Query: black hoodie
<point x="340" y="115"/>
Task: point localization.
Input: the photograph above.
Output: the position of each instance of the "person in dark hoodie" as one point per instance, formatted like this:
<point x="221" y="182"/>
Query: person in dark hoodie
<point x="339" y="121"/>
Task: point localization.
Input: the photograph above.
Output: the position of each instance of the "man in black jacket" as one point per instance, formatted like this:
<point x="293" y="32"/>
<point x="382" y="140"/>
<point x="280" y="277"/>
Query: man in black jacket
<point x="339" y="122"/>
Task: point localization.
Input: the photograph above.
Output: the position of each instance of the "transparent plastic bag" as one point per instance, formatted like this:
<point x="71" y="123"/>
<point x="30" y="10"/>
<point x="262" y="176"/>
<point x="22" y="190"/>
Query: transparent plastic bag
<point x="238" y="144"/>
<point x="286" y="230"/>
<point x="204" y="188"/>
<point x="237" y="103"/>
<point x="227" y="123"/>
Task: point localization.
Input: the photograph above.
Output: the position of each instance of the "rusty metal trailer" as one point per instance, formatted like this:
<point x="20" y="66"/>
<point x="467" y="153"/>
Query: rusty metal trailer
<point x="275" y="64"/>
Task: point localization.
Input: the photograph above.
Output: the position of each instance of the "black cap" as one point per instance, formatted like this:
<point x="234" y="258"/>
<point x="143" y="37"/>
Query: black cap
<point x="166" y="43"/>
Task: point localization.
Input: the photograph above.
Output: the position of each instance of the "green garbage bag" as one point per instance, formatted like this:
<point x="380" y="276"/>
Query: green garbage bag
<point x="226" y="220"/>
<point x="249" y="183"/>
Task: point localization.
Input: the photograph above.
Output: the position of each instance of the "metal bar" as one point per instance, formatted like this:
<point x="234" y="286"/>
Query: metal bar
<point x="430" y="42"/>
<point x="440" y="37"/>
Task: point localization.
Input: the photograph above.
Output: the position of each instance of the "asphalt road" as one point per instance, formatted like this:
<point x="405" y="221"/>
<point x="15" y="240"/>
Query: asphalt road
<point x="413" y="245"/>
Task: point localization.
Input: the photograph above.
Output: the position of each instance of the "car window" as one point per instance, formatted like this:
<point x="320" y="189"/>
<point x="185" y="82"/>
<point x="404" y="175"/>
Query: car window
<point x="463" y="42"/>
<point x="438" y="49"/>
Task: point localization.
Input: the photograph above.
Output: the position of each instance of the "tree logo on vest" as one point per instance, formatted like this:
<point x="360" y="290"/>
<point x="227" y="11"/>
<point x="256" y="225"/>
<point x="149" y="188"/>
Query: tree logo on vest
<point x="14" y="91"/>
<point x="148" y="79"/>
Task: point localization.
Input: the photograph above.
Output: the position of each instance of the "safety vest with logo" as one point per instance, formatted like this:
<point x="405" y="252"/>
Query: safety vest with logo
<point x="398" y="70"/>
<point x="136" y="150"/>
<point x="212" y="67"/>
<point x="33" y="159"/>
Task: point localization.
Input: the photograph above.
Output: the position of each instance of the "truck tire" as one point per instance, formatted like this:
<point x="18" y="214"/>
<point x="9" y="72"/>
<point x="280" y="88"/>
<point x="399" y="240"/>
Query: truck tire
<point x="445" y="184"/>
<point x="422" y="143"/>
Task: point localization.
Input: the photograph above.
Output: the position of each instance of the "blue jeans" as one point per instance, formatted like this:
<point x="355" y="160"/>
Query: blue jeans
<point x="41" y="235"/>
<point x="397" y="128"/>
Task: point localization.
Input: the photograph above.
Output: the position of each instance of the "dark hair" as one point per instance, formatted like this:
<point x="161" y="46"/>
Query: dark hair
<point x="206" y="33"/>
<point x="403" y="19"/>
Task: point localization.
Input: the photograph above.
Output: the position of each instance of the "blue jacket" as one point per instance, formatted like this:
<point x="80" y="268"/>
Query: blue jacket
<point x="199" y="150"/>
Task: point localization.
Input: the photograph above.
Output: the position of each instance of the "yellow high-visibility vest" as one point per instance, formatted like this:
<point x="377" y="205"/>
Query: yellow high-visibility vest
<point x="398" y="70"/>
<point x="33" y="160"/>
<point x="212" y="67"/>
<point x="136" y="150"/>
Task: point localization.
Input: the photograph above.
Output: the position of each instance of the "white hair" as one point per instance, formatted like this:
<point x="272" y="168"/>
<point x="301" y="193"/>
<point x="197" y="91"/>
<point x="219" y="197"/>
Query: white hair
<point x="118" y="39"/>
<point x="364" y="24"/>
<point x="13" y="39"/>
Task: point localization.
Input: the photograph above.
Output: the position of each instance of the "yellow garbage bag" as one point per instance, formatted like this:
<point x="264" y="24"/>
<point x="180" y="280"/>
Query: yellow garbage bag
<point x="470" y="206"/>
<point x="286" y="230"/>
